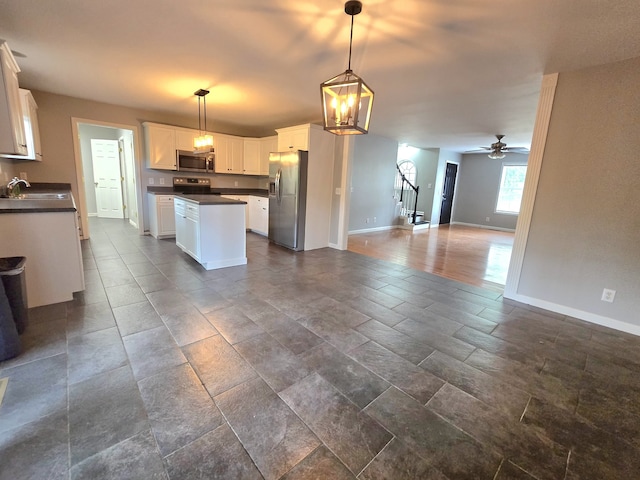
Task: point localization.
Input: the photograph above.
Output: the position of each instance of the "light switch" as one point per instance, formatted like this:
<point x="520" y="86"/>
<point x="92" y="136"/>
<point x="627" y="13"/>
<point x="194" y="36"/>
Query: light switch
<point x="338" y="191"/>
<point x="151" y="181"/>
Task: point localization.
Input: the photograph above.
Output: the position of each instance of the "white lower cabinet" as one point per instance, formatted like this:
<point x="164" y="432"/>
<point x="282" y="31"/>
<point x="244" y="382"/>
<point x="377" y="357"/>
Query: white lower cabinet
<point x="214" y="235"/>
<point x="51" y="244"/>
<point x="259" y="215"/>
<point x="162" y="221"/>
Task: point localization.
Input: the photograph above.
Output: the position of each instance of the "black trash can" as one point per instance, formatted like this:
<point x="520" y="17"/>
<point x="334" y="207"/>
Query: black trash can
<point x="9" y="340"/>
<point x="12" y="275"/>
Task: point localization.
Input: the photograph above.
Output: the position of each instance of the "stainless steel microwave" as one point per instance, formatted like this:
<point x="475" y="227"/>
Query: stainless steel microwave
<point x="195" y="162"/>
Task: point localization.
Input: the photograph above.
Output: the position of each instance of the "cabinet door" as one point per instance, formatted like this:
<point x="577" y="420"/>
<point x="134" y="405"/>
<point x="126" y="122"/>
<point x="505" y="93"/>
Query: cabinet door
<point x="29" y="110"/>
<point x="267" y="145"/>
<point x="181" y="222"/>
<point x="184" y="139"/>
<point x="223" y="153"/>
<point x="252" y="157"/>
<point x="161" y="147"/>
<point x="12" y="134"/>
<point x="192" y="231"/>
<point x="33" y="139"/>
<point x="259" y="215"/>
<point x="166" y="216"/>
<point x="237" y="155"/>
<point x="293" y="139"/>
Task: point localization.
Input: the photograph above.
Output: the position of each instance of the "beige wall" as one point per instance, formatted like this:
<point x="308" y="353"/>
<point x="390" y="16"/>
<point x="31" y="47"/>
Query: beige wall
<point x="54" y="116"/>
<point x="585" y="229"/>
<point x="7" y="170"/>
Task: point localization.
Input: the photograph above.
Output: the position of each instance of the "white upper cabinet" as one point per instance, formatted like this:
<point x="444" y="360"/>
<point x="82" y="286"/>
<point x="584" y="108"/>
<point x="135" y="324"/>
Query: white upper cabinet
<point x="229" y="154"/>
<point x="161" y="146"/>
<point x="293" y="138"/>
<point x="184" y="139"/>
<point x="32" y="130"/>
<point x="12" y="135"/>
<point x="267" y="145"/>
<point x="251" y="156"/>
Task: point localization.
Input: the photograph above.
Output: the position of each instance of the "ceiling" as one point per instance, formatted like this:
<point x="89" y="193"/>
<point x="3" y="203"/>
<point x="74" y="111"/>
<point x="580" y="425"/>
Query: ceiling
<point x="446" y="73"/>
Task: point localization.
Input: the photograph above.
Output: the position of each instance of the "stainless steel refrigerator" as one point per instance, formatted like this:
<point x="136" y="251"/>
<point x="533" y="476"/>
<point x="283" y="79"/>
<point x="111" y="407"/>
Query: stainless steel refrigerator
<point x="288" y="198"/>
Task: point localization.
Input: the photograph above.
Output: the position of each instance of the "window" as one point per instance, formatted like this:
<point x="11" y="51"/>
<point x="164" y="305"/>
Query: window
<point x="408" y="169"/>
<point x="511" y="186"/>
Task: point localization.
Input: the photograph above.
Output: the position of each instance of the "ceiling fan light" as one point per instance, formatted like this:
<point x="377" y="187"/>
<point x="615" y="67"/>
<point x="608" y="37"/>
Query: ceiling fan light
<point x="496" y="154"/>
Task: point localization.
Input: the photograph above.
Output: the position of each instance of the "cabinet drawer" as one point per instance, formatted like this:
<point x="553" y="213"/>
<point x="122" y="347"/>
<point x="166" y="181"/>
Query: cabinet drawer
<point x="164" y="199"/>
<point x="193" y="212"/>
<point x="180" y="207"/>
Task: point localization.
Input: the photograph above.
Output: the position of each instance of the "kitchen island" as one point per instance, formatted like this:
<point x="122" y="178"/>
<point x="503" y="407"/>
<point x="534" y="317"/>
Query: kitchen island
<point x="211" y="229"/>
<point x="43" y="227"/>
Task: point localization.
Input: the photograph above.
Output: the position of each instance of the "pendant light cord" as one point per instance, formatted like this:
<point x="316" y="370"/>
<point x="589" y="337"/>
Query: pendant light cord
<point x="350" y="42"/>
<point x="199" y="118"/>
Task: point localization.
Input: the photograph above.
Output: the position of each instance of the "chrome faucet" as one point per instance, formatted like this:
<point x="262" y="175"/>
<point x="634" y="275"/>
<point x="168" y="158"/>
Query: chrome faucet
<point x="15" y="184"/>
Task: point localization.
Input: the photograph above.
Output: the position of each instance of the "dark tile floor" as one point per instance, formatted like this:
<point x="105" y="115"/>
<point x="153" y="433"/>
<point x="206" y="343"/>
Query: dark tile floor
<point x="322" y="364"/>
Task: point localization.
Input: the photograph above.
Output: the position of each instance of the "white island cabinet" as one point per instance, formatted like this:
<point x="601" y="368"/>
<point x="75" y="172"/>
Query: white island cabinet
<point x="211" y="229"/>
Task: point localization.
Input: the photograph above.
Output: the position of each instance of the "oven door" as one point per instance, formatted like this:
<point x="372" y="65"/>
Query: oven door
<point x="190" y="162"/>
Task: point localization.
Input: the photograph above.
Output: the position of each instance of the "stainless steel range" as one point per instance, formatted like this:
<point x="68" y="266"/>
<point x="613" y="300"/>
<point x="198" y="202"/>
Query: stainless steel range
<point x="194" y="185"/>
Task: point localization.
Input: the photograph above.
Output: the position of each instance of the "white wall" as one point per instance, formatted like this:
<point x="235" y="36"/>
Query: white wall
<point x="585" y="228"/>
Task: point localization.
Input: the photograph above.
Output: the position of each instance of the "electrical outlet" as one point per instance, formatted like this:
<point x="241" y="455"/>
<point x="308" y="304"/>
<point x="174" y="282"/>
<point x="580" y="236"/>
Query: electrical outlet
<point x="161" y="181"/>
<point x="374" y="219"/>
<point x="23" y="175"/>
<point x="608" y="295"/>
<point x="151" y="181"/>
<point x="235" y="184"/>
<point x="487" y="219"/>
<point x="428" y="185"/>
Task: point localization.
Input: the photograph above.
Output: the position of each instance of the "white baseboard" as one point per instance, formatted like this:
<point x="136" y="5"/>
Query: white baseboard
<point x="92" y="214"/>
<point x="375" y="229"/>
<point x="580" y="314"/>
<point x="486" y="227"/>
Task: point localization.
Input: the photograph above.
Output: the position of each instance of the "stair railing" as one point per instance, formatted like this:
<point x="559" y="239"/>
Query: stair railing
<point x="408" y="196"/>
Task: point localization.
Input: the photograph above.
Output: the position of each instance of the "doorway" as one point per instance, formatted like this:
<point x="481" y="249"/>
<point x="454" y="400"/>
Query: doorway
<point x="109" y="190"/>
<point x="107" y="178"/>
<point x="448" y="191"/>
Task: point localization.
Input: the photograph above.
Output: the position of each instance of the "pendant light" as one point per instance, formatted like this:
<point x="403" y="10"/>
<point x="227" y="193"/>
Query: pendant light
<point x="203" y="143"/>
<point x="346" y="99"/>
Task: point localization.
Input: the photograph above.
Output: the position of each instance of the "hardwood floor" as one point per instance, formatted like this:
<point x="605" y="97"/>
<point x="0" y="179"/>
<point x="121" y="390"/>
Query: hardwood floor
<point x="475" y="256"/>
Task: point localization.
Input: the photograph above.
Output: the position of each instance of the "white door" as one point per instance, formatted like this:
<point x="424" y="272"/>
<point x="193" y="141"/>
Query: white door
<point x="107" y="178"/>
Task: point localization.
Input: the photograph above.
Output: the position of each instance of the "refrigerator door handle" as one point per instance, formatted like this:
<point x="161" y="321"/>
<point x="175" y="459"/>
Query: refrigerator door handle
<point x="278" y="192"/>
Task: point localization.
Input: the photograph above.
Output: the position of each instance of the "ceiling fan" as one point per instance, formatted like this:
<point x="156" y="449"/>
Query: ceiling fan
<point x="498" y="149"/>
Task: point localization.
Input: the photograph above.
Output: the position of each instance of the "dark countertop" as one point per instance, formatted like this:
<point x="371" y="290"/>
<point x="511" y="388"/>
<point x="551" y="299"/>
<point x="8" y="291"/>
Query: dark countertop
<point x="209" y="199"/>
<point x="40" y="205"/>
<point x="256" y="192"/>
